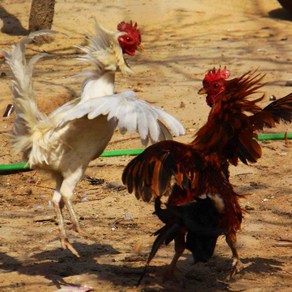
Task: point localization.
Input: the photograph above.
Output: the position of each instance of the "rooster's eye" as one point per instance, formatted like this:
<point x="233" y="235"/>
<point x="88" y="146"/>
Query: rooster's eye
<point x="128" y="39"/>
<point x="215" y="85"/>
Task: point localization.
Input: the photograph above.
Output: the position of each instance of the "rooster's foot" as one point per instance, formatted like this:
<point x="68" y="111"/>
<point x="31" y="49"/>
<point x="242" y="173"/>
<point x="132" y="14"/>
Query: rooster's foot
<point x="169" y="274"/>
<point x="67" y="245"/>
<point x="237" y="266"/>
<point x="81" y="232"/>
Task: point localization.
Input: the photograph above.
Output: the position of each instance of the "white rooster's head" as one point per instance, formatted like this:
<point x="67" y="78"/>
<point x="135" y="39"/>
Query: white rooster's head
<point x="130" y="42"/>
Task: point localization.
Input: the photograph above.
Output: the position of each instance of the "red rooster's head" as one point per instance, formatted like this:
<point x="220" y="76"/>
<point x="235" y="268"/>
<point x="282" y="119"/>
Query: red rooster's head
<point x="131" y="41"/>
<point x="214" y="84"/>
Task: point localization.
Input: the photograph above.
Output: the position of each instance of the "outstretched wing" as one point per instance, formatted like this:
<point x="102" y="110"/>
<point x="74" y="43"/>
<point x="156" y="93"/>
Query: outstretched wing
<point x="132" y="114"/>
<point x="61" y="111"/>
<point x="279" y="110"/>
<point x="230" y="131"/>
<point x="149" y="174"/>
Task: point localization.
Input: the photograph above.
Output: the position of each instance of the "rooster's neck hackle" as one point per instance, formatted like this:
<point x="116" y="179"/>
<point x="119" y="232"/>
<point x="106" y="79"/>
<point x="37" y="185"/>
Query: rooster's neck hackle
<point x="104" y="53"/>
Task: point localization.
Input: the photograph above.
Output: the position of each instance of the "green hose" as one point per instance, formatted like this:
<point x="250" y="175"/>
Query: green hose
<point x="13" y="167"/>
<point x="132" y="152"/>
<point x="111" y="153"/>
<point x="274" y="136"/>
<point x="121" y="152"/>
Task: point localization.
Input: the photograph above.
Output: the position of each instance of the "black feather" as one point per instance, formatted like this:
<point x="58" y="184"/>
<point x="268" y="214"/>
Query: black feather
<point x="164" y="235"/>
<point x="201" y="219"/>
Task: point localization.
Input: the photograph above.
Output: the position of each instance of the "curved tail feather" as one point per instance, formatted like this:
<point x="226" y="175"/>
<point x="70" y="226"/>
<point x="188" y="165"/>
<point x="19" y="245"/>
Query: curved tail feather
<point x="27" y="112"/>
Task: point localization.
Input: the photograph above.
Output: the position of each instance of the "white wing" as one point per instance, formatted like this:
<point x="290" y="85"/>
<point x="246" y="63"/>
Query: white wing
<point x="131" y="113"/>
<point x="63" y="109"/>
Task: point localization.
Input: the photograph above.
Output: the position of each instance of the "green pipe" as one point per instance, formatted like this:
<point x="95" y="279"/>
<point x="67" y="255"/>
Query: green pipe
<point x="274" y="136"/>
<point x="132" y="152"/>
<point x="14" y="167"/>
<point x="111" y="153"/>
<point x="121" y="152"/>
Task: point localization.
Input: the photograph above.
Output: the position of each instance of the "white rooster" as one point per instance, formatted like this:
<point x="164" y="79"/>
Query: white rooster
<point x="105" y="53"/>
<point x="64" y="142"/>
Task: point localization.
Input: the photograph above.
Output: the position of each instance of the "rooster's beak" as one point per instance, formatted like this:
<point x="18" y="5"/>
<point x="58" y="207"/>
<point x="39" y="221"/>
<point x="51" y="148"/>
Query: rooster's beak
<point x="140" y="48"/>
<point x="202" y="91"/>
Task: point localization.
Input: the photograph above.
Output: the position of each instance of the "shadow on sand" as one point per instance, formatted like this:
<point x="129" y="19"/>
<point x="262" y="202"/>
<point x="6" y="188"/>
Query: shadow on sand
<point x="11" y="24"/>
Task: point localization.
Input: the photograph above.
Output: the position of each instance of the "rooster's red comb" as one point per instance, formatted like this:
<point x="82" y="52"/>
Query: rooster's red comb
<point x="214" y="74"/>
<point x="130" y="28"/>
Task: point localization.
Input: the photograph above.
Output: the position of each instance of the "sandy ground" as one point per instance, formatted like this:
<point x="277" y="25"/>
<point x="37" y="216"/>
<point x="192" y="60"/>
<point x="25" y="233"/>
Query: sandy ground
<point x="182" y="39"/>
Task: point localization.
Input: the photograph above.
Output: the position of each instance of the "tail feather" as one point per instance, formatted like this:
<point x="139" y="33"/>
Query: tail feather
<point x="164" y="235"/>
<point x="201" y="246"/>
<point x="27" y="112"/>
<point x="199" y="220"/>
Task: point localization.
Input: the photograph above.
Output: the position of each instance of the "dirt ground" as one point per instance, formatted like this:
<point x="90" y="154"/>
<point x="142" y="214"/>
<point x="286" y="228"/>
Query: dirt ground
<point x="182" y="39"/>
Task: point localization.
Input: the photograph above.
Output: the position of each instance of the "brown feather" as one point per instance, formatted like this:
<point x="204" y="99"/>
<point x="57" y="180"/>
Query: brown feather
<point x="279" y="110"/>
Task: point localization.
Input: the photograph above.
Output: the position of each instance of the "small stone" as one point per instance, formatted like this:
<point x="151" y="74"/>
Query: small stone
<point x="248" y="208"/>
<point x="182" y="104"/>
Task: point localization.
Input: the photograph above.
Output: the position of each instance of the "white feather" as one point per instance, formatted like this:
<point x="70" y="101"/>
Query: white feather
<point x="131" y="113"/>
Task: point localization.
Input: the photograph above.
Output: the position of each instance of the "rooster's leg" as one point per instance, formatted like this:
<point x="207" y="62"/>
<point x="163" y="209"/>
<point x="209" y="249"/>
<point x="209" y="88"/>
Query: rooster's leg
<point x="74" y="218"/>
<point x="236" y="264"/>
<point x="59" y="204"/>
<point x="67" y="190"/>
<point x="179" y="246"/>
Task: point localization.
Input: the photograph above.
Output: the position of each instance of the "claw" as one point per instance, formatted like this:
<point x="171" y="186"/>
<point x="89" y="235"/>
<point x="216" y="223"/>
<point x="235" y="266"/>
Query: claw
<point x="171" y="269"/>
<point x="237" y="266"/>
<point x="169" y="274"/>
<point x="81" y="232"/>
<point x="234" y="270"/>
<point x="67" y="245"/>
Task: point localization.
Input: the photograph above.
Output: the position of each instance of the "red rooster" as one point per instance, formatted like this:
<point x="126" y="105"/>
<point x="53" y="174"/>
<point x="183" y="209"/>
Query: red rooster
<point x="202" y="203"/>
